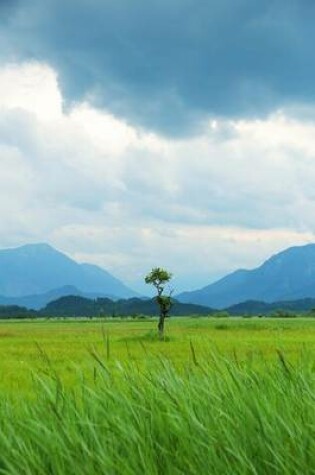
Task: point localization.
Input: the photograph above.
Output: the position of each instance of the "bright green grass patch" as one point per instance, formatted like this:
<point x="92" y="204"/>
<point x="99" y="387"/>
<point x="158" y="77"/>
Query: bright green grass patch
<point x="68" y="344"/>
<point x="219" y="416"/>
<point x="218" y="396"/>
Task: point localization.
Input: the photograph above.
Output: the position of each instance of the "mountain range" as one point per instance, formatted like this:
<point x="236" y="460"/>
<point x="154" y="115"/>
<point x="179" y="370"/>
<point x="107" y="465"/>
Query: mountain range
<point x="35" y="274"/>
<point x="288" y="275"/>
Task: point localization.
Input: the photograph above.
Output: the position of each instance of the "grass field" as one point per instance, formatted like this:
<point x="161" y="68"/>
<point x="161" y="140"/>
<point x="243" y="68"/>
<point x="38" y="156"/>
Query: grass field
<point x="25" y="347"/>
<point x="217" y="397"/>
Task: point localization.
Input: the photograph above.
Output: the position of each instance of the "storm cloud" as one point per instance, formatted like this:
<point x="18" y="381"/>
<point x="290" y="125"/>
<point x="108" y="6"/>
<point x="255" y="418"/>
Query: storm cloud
<point x="169" y="65"/>
<point x="143" y="133"/>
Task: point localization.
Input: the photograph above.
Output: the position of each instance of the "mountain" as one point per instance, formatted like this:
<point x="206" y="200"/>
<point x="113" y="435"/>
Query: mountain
<point x="36" y="269"/>
<point x="288" y="275"/>
<point x="77" y="306"/>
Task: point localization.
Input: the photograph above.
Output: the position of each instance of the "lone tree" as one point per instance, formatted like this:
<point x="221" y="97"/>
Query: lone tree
<point x="159" y="278"/>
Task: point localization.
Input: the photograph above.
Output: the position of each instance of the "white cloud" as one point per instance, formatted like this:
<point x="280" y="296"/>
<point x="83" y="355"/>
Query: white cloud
<point x="31" y="87"/>
<point x="109" y="193"/>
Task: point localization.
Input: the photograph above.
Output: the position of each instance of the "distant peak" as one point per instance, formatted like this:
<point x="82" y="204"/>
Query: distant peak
<point x="302" y="250"/>
<point x="37" y="247"/>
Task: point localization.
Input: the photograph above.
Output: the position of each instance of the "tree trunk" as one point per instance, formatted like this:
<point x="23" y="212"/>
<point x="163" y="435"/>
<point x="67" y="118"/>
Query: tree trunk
<point x="161" y="326"/>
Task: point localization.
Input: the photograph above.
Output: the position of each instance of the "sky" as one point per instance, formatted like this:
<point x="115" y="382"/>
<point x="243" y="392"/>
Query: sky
<point x="176" y="133"/>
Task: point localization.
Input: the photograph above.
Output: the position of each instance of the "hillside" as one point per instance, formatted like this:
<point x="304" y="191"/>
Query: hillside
<point x="76" y="306"/>
<point x="253" y="307"/>
<point x="288" y="275"/>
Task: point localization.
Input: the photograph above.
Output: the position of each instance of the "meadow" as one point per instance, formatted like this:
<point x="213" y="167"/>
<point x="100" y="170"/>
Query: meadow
<point x="28" y="347"/>
<point x="217" y="396"/>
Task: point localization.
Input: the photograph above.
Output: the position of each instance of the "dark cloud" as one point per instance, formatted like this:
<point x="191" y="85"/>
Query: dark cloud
<point x="167" y="64"/>
<point x="7" y="7"/>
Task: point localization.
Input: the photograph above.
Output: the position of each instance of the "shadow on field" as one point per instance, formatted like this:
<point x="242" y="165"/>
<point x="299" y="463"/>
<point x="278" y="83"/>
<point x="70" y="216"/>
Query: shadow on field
<point x="150" y="336"/>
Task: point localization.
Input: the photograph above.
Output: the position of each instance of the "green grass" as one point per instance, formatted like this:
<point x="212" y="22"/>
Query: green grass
<point x="218" y="396"/>
<point x="67" y="344"/>
<point x="219" y="416"/>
